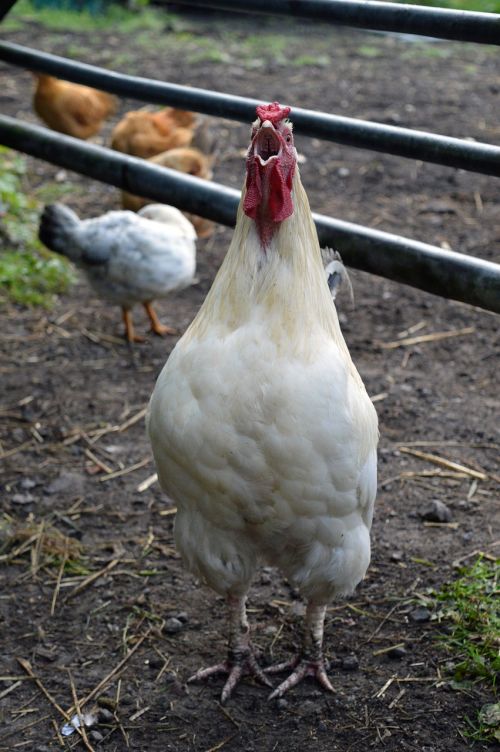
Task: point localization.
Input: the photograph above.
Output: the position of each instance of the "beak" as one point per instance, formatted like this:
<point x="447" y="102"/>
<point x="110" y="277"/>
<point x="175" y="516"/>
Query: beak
<point x="267" y="143"/>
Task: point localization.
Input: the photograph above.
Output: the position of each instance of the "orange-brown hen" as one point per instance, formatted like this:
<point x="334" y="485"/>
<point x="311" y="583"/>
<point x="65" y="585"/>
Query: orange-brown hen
<point x="184" y="159"/>
<point x="145" y="134"/>
<point x="69" y="108"/>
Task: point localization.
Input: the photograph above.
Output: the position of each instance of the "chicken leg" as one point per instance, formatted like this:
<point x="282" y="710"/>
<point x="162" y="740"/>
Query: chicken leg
<point x="310" y="661"/>
<point x="240" y="660"/>
<point x="130" y="334"/>
<point x="156" y="326"/>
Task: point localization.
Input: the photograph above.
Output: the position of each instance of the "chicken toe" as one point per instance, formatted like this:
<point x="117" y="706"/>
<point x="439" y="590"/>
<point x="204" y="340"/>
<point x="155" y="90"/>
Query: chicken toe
<point x="156" y="326"/>
<point x="311" y="661"/>
<point x="241" y="660"/>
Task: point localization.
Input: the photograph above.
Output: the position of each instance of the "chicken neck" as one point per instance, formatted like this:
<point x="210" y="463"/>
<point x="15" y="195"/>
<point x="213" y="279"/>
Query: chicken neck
<point x="240" y="660"/>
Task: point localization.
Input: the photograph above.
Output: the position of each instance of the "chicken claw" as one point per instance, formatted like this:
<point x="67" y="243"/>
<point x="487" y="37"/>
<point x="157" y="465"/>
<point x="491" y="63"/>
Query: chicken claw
<point x="156" y="326"/>
<point x="237" y="668"/>
<point x="310" y="662"/>
<point x="241" y="660"/>
<point x="302" y="669"/>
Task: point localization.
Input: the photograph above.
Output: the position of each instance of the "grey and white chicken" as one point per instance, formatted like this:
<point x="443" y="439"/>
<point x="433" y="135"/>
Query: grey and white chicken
<point x="128" y="258"/>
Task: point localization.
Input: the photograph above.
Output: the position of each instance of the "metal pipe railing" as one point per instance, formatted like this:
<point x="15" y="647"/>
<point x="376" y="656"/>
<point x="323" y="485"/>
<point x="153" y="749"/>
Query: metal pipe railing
<point x="446" y="273"/>
<point x="404" y="142"/>
<point x="465" y="26"/>
<point x="5" y="7"/>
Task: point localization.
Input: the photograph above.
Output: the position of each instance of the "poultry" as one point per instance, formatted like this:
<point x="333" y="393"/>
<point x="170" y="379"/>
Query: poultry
<point x="69" y="108"/>
<point x="128" y="258"/>
<point x="336" y="273"/>
<point x="262" y="431"/>
<point x="144" y="134"/>
<point x="184" y="159"/>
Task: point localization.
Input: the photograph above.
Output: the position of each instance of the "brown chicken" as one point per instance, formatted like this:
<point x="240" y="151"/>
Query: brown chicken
<point x="145" y="134"/>
<point x="184" y="159"/>
<point x="69" y="108"/>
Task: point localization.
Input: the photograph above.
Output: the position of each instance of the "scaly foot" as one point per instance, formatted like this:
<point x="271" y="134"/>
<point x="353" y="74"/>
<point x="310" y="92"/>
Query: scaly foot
<point x="302" y="668"/>
<point x="236" y="667"/>
<point x="156" y="326"/>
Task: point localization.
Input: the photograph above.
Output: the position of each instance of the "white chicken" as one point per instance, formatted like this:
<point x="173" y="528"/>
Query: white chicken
<point x="262" y="431"/>
<point x="128" y="258"/>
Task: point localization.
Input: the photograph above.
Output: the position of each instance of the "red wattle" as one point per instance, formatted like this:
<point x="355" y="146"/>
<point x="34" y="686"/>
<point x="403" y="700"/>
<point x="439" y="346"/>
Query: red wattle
<point x="280" y="193"/>
<point x="253" y="196"/>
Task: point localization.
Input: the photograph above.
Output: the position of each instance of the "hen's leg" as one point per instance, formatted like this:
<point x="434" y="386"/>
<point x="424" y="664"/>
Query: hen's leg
<point x="310" y="662"/>
<point x="130" y="334"/>
<point x="240" y="660"/>
<point x="156" y="326"/>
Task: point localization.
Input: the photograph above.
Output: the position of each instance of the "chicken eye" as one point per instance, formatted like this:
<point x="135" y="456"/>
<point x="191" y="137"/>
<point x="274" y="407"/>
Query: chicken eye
<point x="288" y="138"/>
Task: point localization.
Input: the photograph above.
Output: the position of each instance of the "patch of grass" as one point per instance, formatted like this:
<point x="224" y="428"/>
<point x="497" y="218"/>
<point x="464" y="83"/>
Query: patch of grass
<point x="367" y="50"/>
<point x="481" y="6"/>
<point x="469" y="607"/>
<point x="29" y="274"/>
<point x="104" y="16"/>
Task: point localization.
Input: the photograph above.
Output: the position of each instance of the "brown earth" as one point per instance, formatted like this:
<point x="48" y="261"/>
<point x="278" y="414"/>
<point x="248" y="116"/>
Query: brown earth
<point x="67" y="375"/>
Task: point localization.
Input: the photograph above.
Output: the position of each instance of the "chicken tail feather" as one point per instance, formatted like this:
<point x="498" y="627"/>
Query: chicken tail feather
<point x="57" y="227"/>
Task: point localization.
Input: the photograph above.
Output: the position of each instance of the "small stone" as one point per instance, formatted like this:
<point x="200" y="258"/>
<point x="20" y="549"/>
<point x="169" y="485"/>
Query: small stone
<point x="396" y="556"/>
<point x="95" y="735"/>
<point x="105" y="716"/>
<point x="173" y="625"/>
<point x="66" y="483"/>
<point x="419" y="615"/>
<point x="397" y="653"/>
<point x="350" y="663"/>
<point x="183" y="617"/>
<point x="155" y="662"/>
<point x="27" y="484"/>
<point x="281" y="703"/>
<point x="322" y="726"/>
<point x="23" y="499"/>
<point x="436" y="511"/>
<point x="343" y="172"/>
<point x="18" y="435"/>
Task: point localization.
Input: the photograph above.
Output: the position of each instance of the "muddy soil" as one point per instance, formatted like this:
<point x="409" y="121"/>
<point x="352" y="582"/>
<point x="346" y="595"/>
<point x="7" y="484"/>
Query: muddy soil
<point x="73" y="395"/>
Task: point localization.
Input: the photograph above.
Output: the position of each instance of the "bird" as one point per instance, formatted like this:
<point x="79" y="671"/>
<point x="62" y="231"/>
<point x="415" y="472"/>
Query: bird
<point x="262" y="431"/>
<point x="127" y="258"/>
<point x="76" y="110"/>
<point x="144" y="134"/>
<point x="185" y="159"/>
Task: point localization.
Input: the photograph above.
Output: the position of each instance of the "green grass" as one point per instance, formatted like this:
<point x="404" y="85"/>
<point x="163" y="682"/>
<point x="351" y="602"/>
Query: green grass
<point x="470" y="608"/>
<point x="481" y="6"/>
<point x="29" y="274"/>
<point x="61" y="17"/>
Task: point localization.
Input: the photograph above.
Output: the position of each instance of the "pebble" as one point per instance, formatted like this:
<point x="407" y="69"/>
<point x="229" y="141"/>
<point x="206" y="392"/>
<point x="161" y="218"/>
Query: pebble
<point x="281" y="703"/>
<point x="397" y="653"/>
<point x="436" y="511"/>
<point x="95" y="735"/>
<point x="66" y="483"/>
<point x="419" y="615"/>
<point x="350" y="663"/>
<point x="105" y="716"/>
<point x="322" y="726"/>
<point x="173" y="625"/>
<point x="23" y="498"/>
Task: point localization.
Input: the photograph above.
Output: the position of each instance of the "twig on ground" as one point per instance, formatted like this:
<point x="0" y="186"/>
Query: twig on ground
<point x="434" y="337"/>
<point x="443" y="462"/>
<point x="90" y="579"/>
<point x="125" y="471"/>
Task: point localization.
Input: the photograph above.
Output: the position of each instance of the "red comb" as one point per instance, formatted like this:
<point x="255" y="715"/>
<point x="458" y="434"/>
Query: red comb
<point x="273" y="112"/>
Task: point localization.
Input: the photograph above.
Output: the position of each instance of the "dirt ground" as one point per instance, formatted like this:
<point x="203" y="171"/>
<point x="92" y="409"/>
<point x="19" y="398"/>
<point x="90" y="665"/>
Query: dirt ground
<point x="74" y="394"/>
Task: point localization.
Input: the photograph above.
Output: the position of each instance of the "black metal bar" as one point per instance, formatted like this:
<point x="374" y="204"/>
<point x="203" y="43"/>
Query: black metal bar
<point x="446" y="273"/>
<point x="465" y="26"/>
<point x="5" y="7"/>
<point x="404" y="142"/>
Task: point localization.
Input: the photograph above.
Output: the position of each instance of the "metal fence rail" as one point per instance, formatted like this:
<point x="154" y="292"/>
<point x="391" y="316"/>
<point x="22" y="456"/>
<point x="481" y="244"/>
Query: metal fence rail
<point x="426" y="267"/>
<point x="465" y="26"/>
<point x="404" y="142"/>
